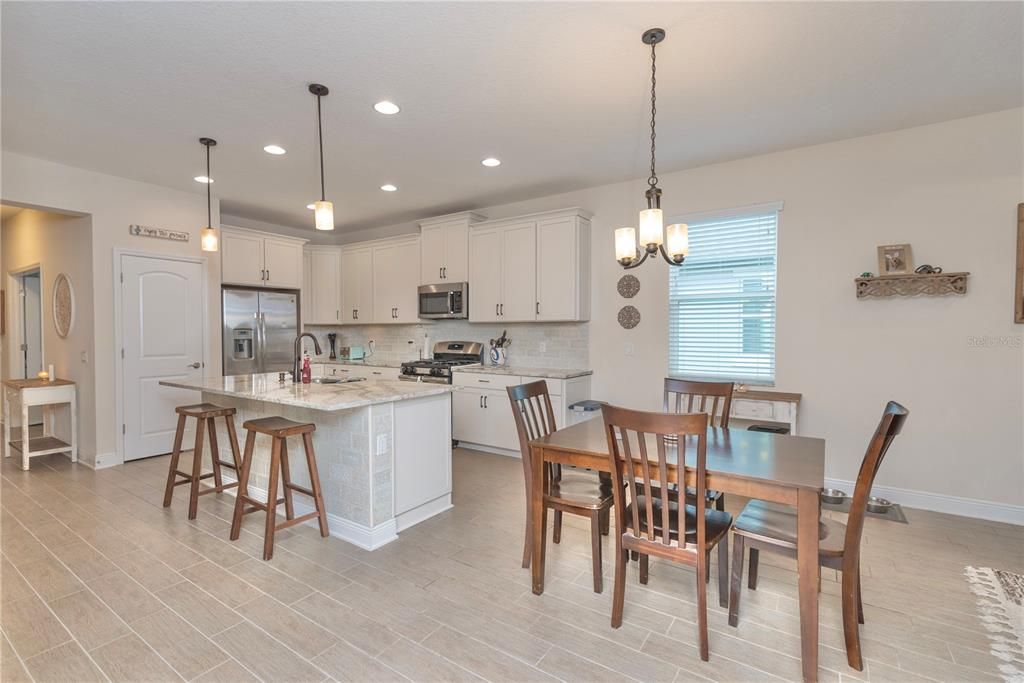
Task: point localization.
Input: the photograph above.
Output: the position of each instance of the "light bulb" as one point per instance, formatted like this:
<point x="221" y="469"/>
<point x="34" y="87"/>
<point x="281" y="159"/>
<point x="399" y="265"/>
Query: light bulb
<point x="625" y="244"/>
<point x="208" y="239"/>
<point x="677" y="242"/>
<point x="324" y="215"/>
<point x="651" y="227"/>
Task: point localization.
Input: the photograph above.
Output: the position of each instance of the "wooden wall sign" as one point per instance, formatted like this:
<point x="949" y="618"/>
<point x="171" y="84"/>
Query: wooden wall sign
<point x="1018" y="292"/>
<point x="158" y="233"/>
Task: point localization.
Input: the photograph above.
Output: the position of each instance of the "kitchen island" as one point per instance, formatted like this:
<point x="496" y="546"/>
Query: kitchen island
<point x="383" y="447"/>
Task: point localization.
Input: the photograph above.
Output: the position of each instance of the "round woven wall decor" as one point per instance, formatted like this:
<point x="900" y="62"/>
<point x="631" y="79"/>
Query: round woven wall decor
<point x="63" y="305"/>
<point x="629" y="317"/>
<point x="628" y="286"/>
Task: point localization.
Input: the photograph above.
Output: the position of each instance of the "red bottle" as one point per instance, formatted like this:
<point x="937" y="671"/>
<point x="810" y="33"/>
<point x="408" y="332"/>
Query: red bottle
<point x="307" y="372"/>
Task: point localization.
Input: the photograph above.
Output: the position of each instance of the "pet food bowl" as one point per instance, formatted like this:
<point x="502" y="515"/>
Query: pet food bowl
<point x="833" y="496"/>
<point x="880" y="505"/>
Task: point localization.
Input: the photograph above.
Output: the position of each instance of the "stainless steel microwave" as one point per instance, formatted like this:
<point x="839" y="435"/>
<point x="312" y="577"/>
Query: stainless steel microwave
<point x="450" y="300"/>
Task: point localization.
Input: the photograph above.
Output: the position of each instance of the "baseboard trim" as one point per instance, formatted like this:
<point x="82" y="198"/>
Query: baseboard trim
<point x="423" y="512"/>
<point x="104" y="460"/>
<point x="489" y="449"/>
<point x="367" y="538"/>
<point x="938" y="502"/>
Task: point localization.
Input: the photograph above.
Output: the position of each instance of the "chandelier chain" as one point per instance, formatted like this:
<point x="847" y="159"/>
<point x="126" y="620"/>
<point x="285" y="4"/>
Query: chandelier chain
<point x="652" y="180"/>
<point x="209" y="180"/>
<point x="320" y="131"/>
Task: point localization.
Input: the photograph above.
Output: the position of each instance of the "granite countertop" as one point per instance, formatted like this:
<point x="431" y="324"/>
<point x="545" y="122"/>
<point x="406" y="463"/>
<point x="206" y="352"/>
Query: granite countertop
<point x="366" y="362"/>
<point x="328" y="397"/>
<point x="547" y="373"/>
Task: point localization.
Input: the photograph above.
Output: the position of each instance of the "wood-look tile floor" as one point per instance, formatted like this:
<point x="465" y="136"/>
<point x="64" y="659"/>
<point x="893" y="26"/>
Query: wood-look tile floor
<point x="99" y="582"/>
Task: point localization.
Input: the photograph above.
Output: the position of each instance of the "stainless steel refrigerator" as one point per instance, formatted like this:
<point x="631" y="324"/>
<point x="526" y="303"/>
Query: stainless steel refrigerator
<point x="259" y="330"/>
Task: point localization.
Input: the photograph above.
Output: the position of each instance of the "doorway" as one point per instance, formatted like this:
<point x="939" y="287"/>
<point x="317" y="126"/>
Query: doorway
<point x="26" y="358"/>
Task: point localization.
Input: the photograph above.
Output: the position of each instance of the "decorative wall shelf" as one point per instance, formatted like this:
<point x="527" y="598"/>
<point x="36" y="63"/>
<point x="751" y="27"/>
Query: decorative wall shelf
<point x="912" y="285"/>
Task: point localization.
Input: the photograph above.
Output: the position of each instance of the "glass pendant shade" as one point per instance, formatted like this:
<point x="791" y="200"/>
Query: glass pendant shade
<point x="677" y="241"/>
<point x="208" y="240"/>
<point x="651" y="227"/>
<point x="625" y="244"/>
<point x="323" y="212"/>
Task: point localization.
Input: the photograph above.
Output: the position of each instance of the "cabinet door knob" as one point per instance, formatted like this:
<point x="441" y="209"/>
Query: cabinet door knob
<point x="480" y="401"/>
<point x="444" y="272"/>
<point x="440" y="273"/>
<point x="503" y="309"/>
<point x="538" y="308"/>
<point x="495" y="309"/>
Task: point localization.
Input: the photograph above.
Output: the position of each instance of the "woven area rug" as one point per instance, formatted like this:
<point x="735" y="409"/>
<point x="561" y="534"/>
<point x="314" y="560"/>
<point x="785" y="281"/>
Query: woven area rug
<point x="1001" y="604"/>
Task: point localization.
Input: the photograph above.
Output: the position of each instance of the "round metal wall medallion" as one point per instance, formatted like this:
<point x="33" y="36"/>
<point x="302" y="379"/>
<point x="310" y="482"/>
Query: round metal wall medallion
<point x="629" y="317"/>
<point x="63" y="305"/>
<point x="628" y="286"/>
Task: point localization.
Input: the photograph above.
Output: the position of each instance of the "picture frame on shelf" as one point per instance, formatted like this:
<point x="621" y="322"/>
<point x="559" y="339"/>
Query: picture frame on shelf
<point x="895" y="259"/>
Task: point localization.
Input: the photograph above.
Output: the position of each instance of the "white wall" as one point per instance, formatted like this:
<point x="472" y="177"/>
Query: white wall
<point x="57" y="243"/>
<point x="951" y="191"/>
<point x="114" y="204"/>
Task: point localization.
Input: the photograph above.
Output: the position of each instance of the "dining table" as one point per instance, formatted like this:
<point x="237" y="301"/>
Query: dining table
<point x="779" y="468"/>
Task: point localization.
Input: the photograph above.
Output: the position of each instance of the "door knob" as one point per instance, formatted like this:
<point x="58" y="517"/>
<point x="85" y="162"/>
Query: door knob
<point x="195" y="365"/>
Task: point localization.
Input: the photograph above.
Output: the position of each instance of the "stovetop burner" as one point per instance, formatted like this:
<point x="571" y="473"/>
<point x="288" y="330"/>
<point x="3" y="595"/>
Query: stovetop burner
<point x="446" y="356"/>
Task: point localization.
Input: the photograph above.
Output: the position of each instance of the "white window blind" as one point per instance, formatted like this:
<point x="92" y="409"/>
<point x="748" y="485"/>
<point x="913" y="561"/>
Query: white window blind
<point x="722" y="299"/>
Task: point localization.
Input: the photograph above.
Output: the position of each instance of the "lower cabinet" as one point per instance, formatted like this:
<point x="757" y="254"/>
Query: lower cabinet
<point x="482" y="414"/>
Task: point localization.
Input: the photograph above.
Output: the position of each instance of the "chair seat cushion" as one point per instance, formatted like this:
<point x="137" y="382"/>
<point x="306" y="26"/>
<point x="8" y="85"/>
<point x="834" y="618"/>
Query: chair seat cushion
<point x="718" y="522"/>
<point x="580" y="489"/>
<point x="776" y="523"/>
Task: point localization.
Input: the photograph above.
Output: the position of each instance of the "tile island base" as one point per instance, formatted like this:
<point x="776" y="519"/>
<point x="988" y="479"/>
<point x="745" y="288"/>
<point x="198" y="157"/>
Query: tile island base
<point x="385" y="464"/>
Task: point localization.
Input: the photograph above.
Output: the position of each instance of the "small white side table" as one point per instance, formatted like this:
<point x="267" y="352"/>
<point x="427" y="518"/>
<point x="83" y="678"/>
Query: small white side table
<point x="771" y="406"/>
<point x="20" y="395"/>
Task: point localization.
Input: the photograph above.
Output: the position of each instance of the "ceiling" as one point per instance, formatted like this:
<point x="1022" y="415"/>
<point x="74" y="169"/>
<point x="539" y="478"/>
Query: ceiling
<point x="557" y="91"/>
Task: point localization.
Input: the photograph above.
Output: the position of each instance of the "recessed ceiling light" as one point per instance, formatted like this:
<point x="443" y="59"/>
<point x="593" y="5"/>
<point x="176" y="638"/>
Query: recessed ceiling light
<point x="202" y="179"/>
<point x="388" y="188"/>
<point x="491" y="161"/>
<point x="274" y="149"/>
<point x="311" y="207"/>
<point x="387" y="107"/>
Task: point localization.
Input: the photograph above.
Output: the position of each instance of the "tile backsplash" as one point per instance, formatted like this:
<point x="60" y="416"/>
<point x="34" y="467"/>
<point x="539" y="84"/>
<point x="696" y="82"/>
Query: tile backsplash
<point x="563" y="346"/>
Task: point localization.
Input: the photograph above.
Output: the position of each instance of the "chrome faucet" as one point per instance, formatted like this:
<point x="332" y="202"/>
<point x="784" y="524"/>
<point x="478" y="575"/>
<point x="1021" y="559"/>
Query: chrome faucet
<point x="297" y="369"/>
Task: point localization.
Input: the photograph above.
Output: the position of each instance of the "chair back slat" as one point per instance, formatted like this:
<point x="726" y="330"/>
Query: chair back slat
<point x="648" y="451"/>
<point x="719" y="393"/>
<point x="534" y="417"/>
<point x="888" y="428"/>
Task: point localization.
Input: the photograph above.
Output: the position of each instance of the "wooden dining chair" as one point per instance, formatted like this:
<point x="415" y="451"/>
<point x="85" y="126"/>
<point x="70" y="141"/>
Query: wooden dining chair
<point x="770" y="526"/>
<point x="713" y="398"/>
<point x="644" y="449"/>
<point x="577" y="492"/>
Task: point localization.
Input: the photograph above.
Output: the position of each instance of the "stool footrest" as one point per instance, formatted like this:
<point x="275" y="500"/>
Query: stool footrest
<point x="298" y="520"/>
<point x="257" y="505"/>
<point x="302" y="490"/>
<point x="217" y="489"/>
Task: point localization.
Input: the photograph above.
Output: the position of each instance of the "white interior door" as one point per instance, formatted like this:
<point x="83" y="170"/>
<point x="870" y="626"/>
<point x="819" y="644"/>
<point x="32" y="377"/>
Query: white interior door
<point x="162" y="336"/>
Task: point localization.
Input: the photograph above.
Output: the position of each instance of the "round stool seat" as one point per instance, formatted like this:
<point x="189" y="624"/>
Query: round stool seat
<point x="279" y="427"/>
<point x="204" y="410"/>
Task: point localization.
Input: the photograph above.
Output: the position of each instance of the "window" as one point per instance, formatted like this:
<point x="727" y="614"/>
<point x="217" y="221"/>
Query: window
<point x="722" y="299"/>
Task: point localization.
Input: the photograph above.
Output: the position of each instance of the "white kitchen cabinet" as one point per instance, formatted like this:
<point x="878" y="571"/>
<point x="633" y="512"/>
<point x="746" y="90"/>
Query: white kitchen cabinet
<point x="241" y="258"/>
<point x="502" y="273"/>
<point x="482" y="415"/>
<point x="282" y="261"/>
<point x="258" y="259"/>
<point x="356" y="285"/>
<point x="484" y="275"/>
<point x="444" y="248"/>
<point x="396" y="269"/>
<point x="518" y="272"/>
<point x="563" y="268"/>
<point x="322" y="292"/>
<point x="529" y="268"/>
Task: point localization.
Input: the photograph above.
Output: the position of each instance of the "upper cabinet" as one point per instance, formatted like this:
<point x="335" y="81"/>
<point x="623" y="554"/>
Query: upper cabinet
<point x="396" y="276"/>
<point x="356" y="285"/>
<point x="260" y="259"/>
<point x="444" y="248"/>
<point x="321" y="294"/>
<point x="527" y="268"/>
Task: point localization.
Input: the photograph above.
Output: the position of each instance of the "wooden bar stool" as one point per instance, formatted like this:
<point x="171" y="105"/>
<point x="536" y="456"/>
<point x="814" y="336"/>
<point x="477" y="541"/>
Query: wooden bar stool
<point x="278" y="429"/>
<point x="205" y="413"/>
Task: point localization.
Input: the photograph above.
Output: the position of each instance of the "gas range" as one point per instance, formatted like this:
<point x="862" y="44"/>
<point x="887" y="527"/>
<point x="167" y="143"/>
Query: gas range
<point x="446" y="355"/>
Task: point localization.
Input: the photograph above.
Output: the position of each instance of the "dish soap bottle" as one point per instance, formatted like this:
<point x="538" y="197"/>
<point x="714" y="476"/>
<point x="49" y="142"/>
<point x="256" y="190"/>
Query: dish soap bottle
<point x="307" y="372"/>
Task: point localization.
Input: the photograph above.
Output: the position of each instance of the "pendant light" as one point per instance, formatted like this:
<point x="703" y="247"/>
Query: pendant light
<point x="323" y="210"/>
<point x="208" y="240"/>
<point x="673" y="243"/>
